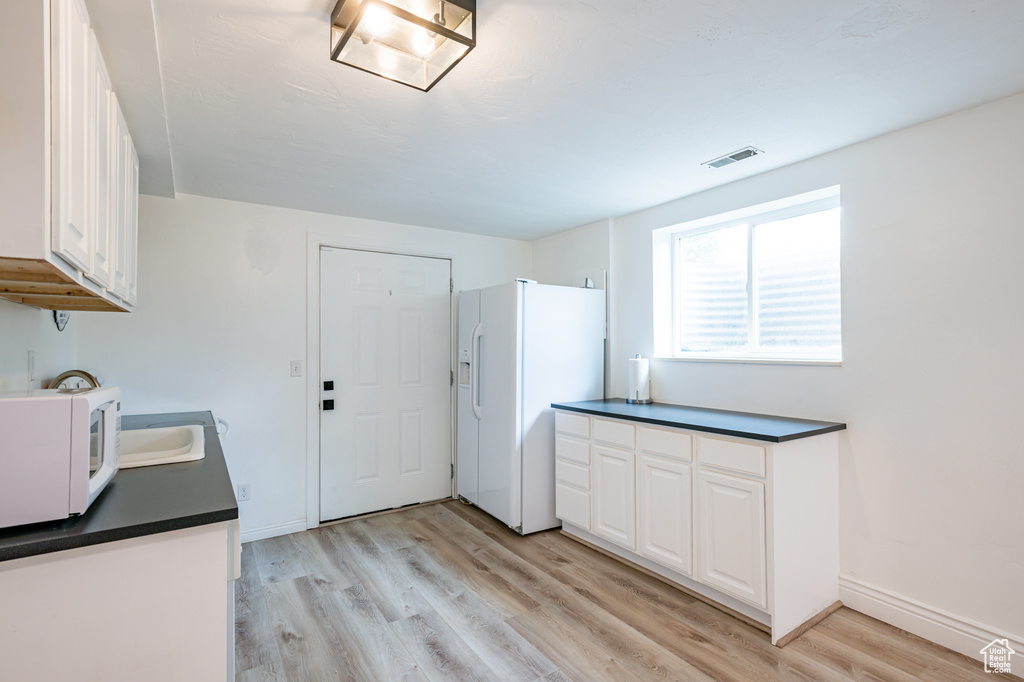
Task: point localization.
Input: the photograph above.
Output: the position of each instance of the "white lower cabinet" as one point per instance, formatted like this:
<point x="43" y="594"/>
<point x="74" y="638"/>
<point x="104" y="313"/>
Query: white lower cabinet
<point x="164" y="604"/>
<point x="572" y="505"/>
<point x="747" y="524"/>
<point x="731" y="523"/>
<point x="572" y="470"/>
<point x="665" y="503"/>
<point x="615" y="495"/>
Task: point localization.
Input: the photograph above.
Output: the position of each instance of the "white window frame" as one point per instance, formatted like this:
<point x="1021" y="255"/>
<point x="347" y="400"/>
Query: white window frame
<point x="665" y="242"/>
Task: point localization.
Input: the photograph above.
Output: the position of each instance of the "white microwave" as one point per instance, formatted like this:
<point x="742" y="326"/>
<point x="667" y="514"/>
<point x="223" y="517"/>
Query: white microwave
<point x="59" y="448"/>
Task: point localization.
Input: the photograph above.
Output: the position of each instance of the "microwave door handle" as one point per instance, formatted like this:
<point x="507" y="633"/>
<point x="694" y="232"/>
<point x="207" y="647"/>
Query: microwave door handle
<point x="474" y="369"/>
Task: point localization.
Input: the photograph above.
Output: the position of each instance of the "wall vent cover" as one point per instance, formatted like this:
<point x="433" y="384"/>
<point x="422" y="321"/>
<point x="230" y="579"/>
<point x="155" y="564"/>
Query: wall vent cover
<point x="744" y="153"/>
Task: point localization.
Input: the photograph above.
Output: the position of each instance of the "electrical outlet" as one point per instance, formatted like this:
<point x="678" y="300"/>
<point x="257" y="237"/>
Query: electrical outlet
<point x="296" y="368"/>
<point x="244" y="491"/>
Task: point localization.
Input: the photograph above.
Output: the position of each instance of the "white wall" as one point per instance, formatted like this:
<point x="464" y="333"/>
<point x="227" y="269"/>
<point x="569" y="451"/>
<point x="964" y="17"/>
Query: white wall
<point x="222" y="311"/>
<point x="930" y="385"/>
<point x="568" y="258"/>
<point x="23" y="329"/>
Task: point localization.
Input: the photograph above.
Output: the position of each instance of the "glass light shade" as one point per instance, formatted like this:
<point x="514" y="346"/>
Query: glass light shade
<point x="401" y="40"/>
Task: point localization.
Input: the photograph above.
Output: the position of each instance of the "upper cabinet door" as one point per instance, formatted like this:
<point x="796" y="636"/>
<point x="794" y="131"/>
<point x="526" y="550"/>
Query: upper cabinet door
<point x="72" y="103"/>
<point x="120" y="200"/>
<point x="103" y="165"/>
<point x="132" y="228"/>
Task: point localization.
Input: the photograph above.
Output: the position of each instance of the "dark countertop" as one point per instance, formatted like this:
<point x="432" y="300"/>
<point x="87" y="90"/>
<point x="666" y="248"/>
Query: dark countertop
<point x="140" y="501"/>
<point x="740" y="424"/>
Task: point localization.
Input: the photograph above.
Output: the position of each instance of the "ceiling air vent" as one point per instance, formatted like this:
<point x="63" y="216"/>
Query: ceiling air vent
<point x="744" y="153"/>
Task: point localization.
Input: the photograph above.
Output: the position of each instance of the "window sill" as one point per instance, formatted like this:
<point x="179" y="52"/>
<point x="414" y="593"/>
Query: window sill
<point x="752" y="360"/>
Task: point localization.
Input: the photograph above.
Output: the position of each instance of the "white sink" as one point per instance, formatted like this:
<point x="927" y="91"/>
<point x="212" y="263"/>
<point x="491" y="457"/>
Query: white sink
<point x="148" y="447"/>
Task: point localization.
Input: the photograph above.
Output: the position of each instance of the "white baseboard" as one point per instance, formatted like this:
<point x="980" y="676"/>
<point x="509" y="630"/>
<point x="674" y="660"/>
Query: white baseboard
<point x="951" y="631"/>
<point x="274" y="531"/>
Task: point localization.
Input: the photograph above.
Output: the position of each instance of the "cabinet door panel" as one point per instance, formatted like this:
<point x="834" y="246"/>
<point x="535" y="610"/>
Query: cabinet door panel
<point x="121" y="155"/>
<point x="572" y="505"/>
<point x="732" y="536"/>
<point x="72" y="97"/>
<point x="132" y="227"/>
<point x="665" y="500"/>
<point x="101" y="255"/>
<point x="614" y="496"/>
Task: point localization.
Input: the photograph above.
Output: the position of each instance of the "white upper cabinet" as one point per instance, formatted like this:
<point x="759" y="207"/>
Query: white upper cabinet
<point x="73" y="108"/>
<point x="121" y="146"/>
<point x="132" y="223"/>
<point x="103" y="162"/>
<point x="69" y="174"/>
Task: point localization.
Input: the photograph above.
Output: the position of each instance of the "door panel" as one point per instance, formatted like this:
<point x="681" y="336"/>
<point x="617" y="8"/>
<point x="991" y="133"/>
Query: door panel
<point x="732" y="536"/>
<point x="614" y="496"/>
<point x="71" y="239"/>
<point x="101" y="137"/>
<point x="385" y="343"/>
<point x="666" y="512"/>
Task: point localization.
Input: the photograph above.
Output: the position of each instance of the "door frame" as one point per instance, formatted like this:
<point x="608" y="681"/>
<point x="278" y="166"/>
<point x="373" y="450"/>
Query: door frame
<point x="314" y="243"/>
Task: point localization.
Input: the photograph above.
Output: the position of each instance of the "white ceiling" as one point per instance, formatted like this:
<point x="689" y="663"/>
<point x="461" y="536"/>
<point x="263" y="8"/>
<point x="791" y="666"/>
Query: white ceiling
<point x="568" y="111"/>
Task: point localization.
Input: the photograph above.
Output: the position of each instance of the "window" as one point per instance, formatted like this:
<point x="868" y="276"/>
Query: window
<point x="758" y="284"/>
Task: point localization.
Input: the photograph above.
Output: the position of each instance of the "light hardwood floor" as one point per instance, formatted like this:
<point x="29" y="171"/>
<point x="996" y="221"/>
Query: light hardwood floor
<point x="444" y="592"/>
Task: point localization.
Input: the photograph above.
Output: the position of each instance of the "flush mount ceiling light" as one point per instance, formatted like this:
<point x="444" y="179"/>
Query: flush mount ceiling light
<point x="413" y="42"/>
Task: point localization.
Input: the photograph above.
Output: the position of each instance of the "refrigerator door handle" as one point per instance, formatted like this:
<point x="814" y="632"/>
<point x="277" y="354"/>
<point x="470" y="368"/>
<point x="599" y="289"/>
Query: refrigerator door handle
<point x="474" y="368"/>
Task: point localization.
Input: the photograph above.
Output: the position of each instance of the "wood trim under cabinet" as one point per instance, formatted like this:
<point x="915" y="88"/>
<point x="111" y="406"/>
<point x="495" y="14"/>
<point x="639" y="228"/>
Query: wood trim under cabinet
<point x="810" y="623"/>
<point x="41" y="284"/>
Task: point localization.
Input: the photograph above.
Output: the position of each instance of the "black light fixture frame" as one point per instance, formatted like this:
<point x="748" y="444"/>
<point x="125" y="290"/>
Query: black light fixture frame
<point x="364" y="5"/>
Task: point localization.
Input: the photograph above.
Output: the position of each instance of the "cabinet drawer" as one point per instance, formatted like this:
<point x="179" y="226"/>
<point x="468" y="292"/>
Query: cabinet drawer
<point x="573" y="424"/>
<point x="615" y="433"/>
<point x="572" y="450"/>
<point x="725" y="454"/>
<point x="567" y="472"/>
<point x="667" y="443"/>
<point x="572" y="505"/>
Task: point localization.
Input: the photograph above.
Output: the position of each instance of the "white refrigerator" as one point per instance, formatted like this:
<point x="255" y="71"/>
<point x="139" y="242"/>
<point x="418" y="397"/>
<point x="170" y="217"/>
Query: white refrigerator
<point x="522" y="346"/>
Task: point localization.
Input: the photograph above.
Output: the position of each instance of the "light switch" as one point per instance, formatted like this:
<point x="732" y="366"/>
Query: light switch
<point x="296" y="367"/>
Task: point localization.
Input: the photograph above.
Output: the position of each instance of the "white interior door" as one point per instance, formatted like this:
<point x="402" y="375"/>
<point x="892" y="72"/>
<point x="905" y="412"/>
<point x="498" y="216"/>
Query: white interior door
<point x="385" y="343"/>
